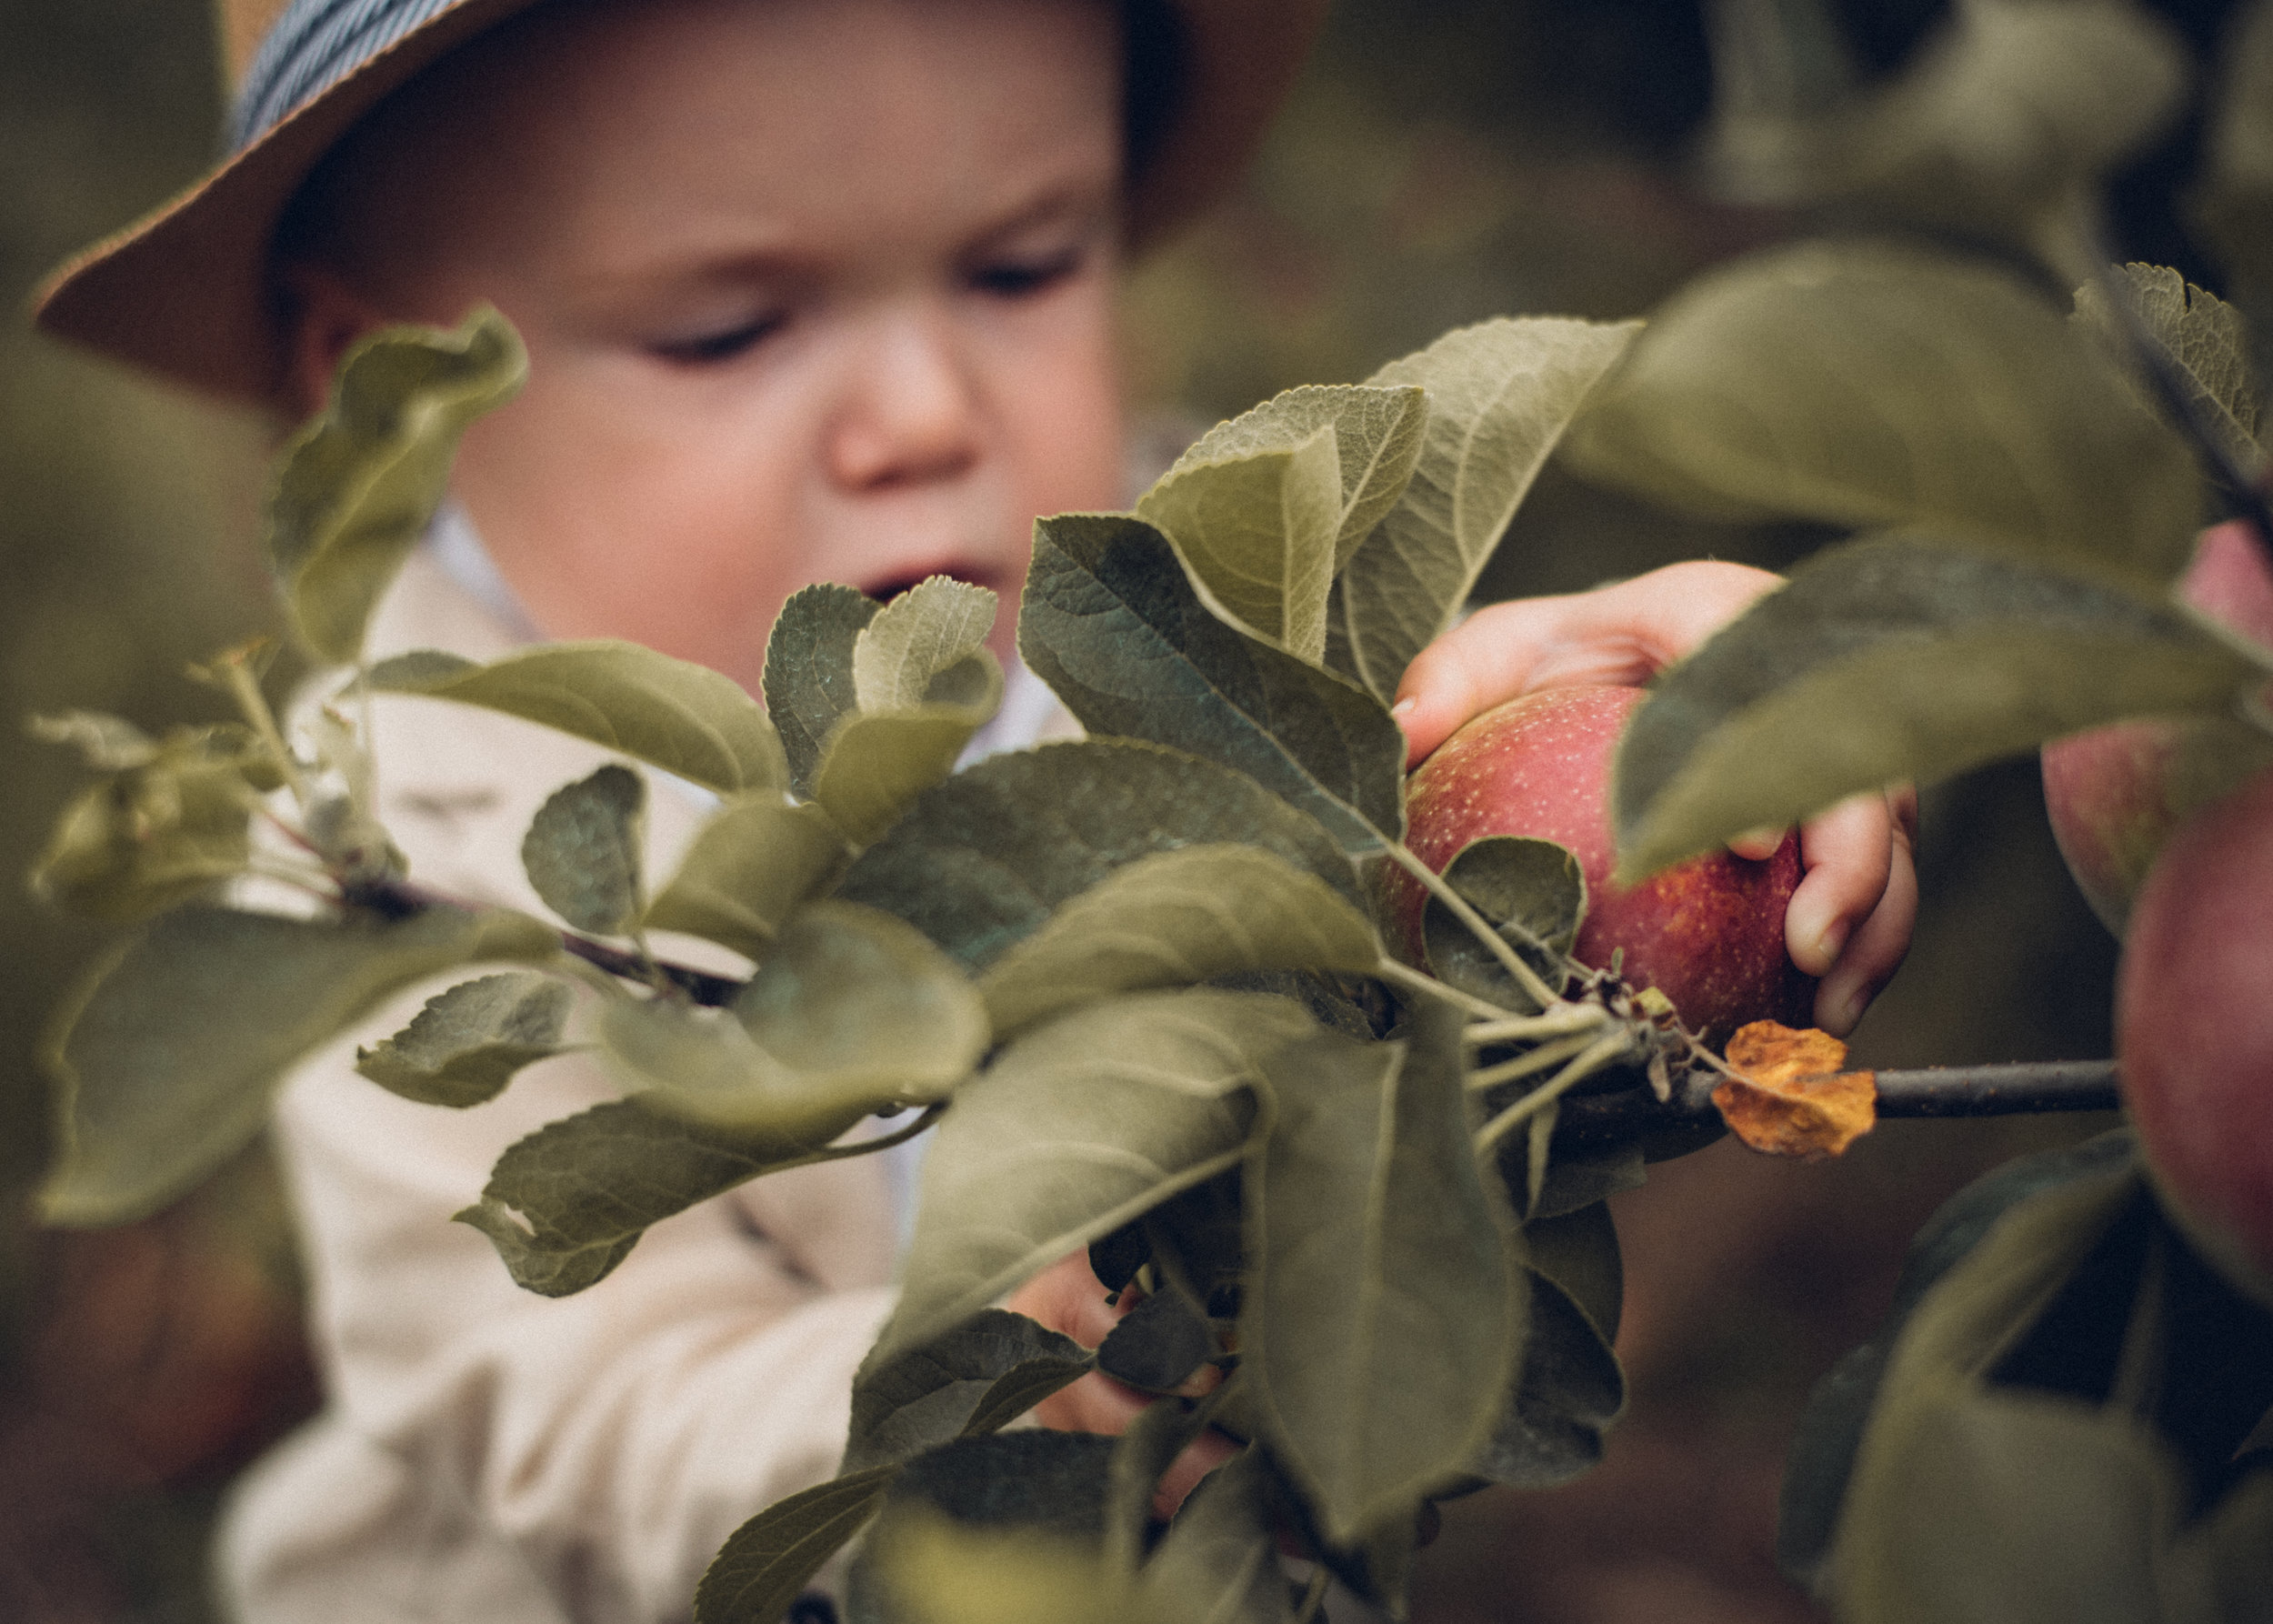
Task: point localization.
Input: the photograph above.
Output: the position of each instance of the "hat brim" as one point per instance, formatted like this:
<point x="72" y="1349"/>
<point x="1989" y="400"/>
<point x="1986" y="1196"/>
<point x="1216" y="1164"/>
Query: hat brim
<point x="185" y="292"/>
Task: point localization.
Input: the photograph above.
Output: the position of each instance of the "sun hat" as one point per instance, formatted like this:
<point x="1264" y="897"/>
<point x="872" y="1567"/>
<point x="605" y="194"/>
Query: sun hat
<point x="185" y="291"/>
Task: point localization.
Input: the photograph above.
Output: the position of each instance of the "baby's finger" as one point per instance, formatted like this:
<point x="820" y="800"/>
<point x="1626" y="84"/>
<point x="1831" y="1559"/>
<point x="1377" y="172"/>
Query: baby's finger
<point x="1622" y="634"/>
<point x="1847" y="853"/>
<point x="1756" y="846"/>
<point x="1209" y="1450"/>
<point x="1877" y="948"/>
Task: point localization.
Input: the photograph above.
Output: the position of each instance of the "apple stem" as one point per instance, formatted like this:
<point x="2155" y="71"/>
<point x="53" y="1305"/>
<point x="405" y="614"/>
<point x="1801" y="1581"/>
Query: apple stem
<point x="1606" y="1050"/>
<point x="1523" y="975"/>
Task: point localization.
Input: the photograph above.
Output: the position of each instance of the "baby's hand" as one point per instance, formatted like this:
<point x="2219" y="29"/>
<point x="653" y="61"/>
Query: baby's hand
<point x="1849" y="922"/>
<point x="1068" y="1297"/>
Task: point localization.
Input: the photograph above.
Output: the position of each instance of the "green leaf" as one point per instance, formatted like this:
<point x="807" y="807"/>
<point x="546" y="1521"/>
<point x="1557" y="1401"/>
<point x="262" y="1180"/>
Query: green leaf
<point x="876" y="764"/>
<point x="1895" y="657"/>
<point x="2228" y="1559"/>
<point x="564" y="1206"/>
<point x="809" y="671"/>
<point x="107" y="743"/>
<point x="1034" y="1483"/>
<point x="1378" y="437"/>
<point x="959" y="1385"/>
<point x="169" y="1052"/>
<point x="153" y="836"/>
<point x="752" y="866"/>
<point x="2013" y="1508"/>
<point x="852" y="1012"/>
<point x="1532" y="891"/>
<point x="937" y="1571"/>
<point x="2204" y="336"/>
<point x="1578" y="1250"/>
<point x="2233" y="199"/>
<point x="1383" y="1320"/>
<point x="1265" y="508"/>
<point x="983" y="858"/>
<point x="1831" y="1425"/>
<point x="583" y="848"/>
<point x="1158" y="1344"/>
<point x="927" y="636"/>
<point x="1500" y="394"/>
<point x="465" y="1046"/>
<point x="766" y="1562"/>
<point x="355" y="488"/>
<point x="682" y="717"/>
<point x="1114" y="626"/>
<point x="1174" y="919"/>
<point x="1873" y="384"/>
<point x="1568" y="1391"/>
<point x="1991" y="132"/>
<point x="1078" y="1127"/>
<point x="1932" y="1524"/>
<point x="1154" y="1438"/>
<point x="1218" y="1562"/>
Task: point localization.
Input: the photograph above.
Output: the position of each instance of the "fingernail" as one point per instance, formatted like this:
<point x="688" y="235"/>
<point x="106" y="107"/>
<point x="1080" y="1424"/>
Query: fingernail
<point x="1813" y="944"/>
<point x="1757" y="844"/>
<point x="1837" y="1012"/>
<point x="1404" y="708"/>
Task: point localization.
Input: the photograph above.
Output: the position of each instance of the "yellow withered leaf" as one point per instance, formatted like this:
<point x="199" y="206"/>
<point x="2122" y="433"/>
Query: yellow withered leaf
<point x="1791" y="1098"/>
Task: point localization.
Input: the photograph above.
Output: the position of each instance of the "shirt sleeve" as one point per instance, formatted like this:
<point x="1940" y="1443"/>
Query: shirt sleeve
<point x="488" y="1452"/>
<point x="608" y="1441"/>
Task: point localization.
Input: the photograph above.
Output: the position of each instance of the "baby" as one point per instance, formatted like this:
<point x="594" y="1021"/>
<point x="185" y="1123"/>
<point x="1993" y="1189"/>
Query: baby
<point x="811" y="290"/>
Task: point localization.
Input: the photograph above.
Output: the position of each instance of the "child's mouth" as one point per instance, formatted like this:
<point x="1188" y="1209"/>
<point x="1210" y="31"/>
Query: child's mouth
<point x="891" y="587"/>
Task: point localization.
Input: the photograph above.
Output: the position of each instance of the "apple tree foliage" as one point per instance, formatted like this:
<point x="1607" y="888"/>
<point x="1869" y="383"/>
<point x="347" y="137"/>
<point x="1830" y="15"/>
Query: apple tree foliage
<point x="1135" y="985"/>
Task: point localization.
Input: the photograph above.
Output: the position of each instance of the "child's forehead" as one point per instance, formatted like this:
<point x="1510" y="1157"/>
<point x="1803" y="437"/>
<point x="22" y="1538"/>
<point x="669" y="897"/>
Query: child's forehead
<point x="191" y="291"/>
<point x="688" y="118"/>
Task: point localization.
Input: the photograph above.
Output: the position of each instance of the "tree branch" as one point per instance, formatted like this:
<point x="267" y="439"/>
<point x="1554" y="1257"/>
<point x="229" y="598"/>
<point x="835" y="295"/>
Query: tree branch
<point x="2005" y="1090"/>
<point x="396" y="898"/>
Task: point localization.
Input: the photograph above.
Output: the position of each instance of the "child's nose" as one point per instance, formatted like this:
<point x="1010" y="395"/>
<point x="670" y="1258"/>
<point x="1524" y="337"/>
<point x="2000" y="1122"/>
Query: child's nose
<point x="909" y="414"/>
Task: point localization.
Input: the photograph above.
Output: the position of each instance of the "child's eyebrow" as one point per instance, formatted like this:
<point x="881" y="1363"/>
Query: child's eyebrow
<point x="1082" y="213"/>
<point x="742" y="257"/>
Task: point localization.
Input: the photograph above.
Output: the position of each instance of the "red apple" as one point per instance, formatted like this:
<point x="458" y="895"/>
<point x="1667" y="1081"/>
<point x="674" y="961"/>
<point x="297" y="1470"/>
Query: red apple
<point x="2194" y="1028"/>
<point x="2115" y="793"/>
<point x="1707" y="933"/>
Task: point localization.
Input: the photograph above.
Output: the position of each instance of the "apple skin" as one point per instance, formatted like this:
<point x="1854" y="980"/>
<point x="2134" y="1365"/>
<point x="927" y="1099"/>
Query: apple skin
<point x="1707" y="933"/>
<point x="2115" y="793"/>
<point x="2194" y="1029"/>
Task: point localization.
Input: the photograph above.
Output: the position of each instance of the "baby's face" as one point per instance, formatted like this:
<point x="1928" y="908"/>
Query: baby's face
<point x="811" y="290"/>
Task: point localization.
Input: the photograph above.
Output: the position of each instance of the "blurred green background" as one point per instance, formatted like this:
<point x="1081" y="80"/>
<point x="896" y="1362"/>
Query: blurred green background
<point x="1444" y="160"/>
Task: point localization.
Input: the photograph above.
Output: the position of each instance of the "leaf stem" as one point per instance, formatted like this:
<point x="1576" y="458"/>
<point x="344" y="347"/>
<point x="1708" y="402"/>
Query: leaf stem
<point x="1605" y="1050"/>
<point x="704" y="989"/>
<point x="1523" y="975"/>
<point x="1412" y="980"/>
<point x="1538" y="1059"/>
<point x="1313" y="1598"/>
<point x="700" y="986"/>
<point x="238" y="677"/>
<point x="1567" y="1017"/>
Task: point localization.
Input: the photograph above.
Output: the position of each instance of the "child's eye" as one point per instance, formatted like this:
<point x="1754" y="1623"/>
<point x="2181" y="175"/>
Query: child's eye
<point x="1018" y="278"/>
<point x="724" y="345"/>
